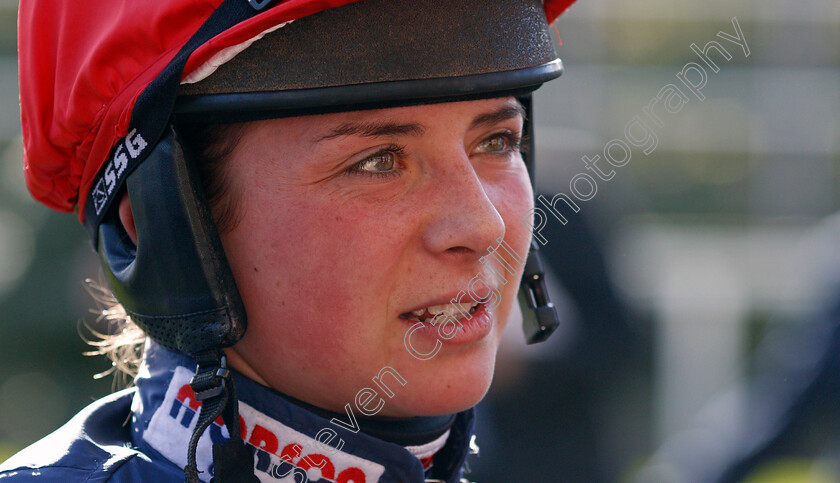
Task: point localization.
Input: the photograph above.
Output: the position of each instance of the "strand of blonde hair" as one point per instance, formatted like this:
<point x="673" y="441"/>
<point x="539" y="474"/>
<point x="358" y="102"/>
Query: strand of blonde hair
<point x="122" y="340"/>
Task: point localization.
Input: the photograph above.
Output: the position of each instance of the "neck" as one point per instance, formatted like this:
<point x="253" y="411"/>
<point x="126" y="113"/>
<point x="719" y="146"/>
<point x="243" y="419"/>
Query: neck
<point x="404" y="432"/>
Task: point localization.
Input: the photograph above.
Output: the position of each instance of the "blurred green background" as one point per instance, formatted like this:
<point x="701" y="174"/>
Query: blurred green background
<point x="44" y="259"/>
<point x="703" y="233"/>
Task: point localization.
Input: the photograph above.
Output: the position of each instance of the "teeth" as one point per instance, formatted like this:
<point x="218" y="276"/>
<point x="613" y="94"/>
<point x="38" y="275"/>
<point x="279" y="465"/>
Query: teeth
<point x="437" y="309"/>
<point x="453" y="309"/>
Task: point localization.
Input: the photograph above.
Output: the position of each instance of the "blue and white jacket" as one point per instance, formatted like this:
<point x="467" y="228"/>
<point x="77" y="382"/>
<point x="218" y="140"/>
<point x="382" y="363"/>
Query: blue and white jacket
<point x="142" y="433"/>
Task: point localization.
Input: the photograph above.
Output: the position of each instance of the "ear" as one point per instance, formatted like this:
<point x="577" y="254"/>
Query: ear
<point x="127" y="218"/>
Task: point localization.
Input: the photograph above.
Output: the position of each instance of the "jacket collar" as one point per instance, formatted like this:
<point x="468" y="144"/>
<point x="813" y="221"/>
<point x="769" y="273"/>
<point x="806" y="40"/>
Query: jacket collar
<point x="285" y="437"/>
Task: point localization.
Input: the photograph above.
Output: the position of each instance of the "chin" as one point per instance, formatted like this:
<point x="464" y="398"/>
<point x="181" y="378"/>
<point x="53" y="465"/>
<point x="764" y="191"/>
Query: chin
<point x="447" y="384"/>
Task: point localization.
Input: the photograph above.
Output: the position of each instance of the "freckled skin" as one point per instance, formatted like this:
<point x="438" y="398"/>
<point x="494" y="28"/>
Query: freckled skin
<point x="342" y="254"/>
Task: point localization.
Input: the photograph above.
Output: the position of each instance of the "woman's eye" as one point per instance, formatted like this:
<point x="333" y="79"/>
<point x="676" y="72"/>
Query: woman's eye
<point x="494" y="145"/>
<point x="380" y="164"/>
<point x="499" y="143"/>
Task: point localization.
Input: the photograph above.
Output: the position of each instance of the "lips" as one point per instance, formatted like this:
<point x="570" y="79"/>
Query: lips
<point x="442" y="329"/>
<point x="461" y="304"/>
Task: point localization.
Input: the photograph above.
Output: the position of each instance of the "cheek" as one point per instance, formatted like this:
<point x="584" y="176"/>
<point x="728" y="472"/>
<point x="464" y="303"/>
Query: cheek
<point x="514" y="200"/>
<point x="303" y="275"/>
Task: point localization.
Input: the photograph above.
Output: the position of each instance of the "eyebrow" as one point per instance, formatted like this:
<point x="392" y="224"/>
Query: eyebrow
<point x="492" y="118"/>
<point x="378" y="128"/>
<point x="373" y="129"/>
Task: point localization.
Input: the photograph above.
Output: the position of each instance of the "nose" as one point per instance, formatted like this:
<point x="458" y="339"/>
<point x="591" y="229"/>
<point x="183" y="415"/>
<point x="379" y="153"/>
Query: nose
<point x="464" y="221"/>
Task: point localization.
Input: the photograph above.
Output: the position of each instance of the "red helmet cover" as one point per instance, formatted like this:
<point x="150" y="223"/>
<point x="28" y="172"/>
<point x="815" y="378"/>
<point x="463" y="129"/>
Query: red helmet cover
<point x="84" y="64"/>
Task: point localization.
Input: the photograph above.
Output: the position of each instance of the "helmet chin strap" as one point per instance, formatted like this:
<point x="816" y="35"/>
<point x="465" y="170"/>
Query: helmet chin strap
<point x="214" y="387"/>
<point x="539" y="318"/>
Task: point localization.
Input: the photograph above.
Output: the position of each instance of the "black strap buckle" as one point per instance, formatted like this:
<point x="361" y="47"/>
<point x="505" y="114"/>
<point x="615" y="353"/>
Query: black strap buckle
<point x="541" y="320"/>
<point x="210" y="381"/>
<point x="213" y="385"/>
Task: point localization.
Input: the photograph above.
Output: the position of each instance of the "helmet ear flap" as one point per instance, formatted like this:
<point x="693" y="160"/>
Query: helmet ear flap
<point x="175" y="282"/>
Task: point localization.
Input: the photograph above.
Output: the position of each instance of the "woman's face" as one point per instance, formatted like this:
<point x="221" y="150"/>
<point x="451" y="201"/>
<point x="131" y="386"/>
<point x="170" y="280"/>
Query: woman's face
<point x="350" y="222"/>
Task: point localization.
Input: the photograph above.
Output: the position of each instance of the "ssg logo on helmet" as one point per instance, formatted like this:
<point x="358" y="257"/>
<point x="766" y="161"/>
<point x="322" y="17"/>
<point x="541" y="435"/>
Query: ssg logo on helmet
<point x="133" y="144"/>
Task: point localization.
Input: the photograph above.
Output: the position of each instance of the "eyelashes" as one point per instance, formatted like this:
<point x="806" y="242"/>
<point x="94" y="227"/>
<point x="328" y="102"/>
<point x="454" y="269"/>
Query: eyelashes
<point x="386" y="162"/>
<point x="511" y="142"/>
